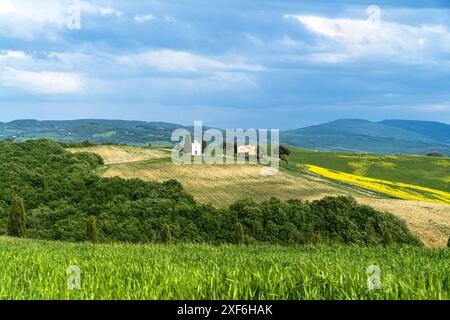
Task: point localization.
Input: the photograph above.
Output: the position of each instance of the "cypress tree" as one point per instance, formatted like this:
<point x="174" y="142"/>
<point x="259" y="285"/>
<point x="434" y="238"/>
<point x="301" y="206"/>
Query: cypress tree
<point x="316" y="238"/>
<point x="387" y="239"/>
<point x="92" y="231"/>
<point x="17" y="218"/>
<point x="166" y="235"/>
<point x="239" y="233"/>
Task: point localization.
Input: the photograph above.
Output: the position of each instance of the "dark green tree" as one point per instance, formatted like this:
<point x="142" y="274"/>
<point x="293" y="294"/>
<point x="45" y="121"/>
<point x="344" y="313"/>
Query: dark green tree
<point x="283" y="151"/>
<point x="316" y="238"/>
<point x="239" y="233"/>
<point x="92" y="231"/>
<point x="17" y="218"/>
<point x="166" y="235"/>
<point x="448" y="242"/>
<point x="387" y="239"/>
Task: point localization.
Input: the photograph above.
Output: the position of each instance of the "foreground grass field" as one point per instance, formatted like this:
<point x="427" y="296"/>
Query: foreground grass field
<point x="32" y="269"/>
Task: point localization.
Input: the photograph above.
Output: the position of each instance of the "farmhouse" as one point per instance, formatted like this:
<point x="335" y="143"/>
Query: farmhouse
<point x="247" y="149"/>
<point x="196" y="148"/>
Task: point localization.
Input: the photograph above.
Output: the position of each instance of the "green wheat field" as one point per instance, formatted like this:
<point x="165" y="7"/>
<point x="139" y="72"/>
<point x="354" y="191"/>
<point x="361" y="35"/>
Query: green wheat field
<point x="33" y="269"/>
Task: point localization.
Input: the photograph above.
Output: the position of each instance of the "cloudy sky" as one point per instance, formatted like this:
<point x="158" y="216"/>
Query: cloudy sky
<point x="273" y="64"/>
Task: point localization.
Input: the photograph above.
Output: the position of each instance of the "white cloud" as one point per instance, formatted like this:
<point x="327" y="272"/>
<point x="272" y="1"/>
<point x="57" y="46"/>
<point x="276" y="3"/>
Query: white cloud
<point x="254" y="40"/>
<point x="434" y="107"/>
<point x="164" y="87"/>
<point x="91" y="8"/>
<point x="143" y="18"/>
<point x="170" y="19"/>
<point x="6" y="7"/>
<point x="46" y="11"/>
<point x="349" y="39"/>
<point x="11" y="54"/>
<point x="183" y="61"/>
<point x="25" y="19"/>
<point x="225" y="80"/>
<point x="65" y="73"/>
<point x="328" y="57"/>
<point x="42" y="82"/>
<point x="287" y="43"/>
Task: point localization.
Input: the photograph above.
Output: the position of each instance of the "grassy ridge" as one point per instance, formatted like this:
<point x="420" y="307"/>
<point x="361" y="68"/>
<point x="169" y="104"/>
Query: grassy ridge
<point x="416" y="170"/>
<point x="37" y="270"/>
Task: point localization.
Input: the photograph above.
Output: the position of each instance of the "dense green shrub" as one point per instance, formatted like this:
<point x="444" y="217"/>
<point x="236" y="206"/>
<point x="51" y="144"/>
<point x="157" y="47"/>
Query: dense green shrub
<point x="61" y="191"/>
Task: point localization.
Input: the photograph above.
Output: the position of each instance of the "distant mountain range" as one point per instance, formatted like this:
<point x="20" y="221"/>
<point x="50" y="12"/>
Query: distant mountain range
<point x="387" y="137"/>
<point x="347" y="135"/>
<point x="95" y="130"/>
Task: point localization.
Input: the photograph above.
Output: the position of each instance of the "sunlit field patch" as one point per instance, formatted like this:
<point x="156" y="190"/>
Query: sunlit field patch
<point x="121" y="154"/>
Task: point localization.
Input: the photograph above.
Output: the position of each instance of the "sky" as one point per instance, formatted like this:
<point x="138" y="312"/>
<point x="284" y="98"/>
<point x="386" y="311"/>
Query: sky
<point x="231" y="64"/>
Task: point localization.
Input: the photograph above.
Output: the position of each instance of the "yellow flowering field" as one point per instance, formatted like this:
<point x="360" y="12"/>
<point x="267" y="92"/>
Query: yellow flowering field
<point x="394" y="189"/>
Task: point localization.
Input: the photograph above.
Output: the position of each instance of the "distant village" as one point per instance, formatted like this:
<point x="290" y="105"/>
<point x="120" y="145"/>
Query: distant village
<point x="196" y="148"/>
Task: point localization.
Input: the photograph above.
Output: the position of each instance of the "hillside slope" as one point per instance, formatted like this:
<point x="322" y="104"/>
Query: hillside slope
<point x="435" y="130"/>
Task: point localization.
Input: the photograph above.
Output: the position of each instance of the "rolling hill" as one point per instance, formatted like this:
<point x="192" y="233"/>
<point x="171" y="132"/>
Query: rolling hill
<point x="95" y="130"/>
<point x="348" y="135"/>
